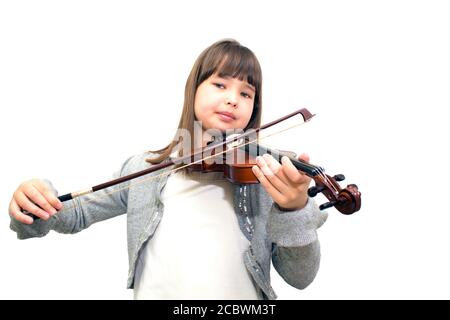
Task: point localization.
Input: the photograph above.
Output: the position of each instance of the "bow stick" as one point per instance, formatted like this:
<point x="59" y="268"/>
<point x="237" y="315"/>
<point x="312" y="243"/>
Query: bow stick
<point x="69" y="196"/>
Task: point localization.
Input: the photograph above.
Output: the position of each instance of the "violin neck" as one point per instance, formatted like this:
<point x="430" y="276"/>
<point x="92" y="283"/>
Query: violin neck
<point x="258" y="150"/>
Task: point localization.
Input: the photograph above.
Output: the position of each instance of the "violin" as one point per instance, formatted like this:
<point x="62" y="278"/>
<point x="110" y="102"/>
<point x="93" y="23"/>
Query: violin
<point x="345" y="200"/>
<point x="216" y="158"/>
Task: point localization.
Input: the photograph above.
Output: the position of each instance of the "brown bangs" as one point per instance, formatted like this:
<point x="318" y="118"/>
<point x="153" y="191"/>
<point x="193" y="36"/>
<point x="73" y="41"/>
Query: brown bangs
<point x="233" y="61"/>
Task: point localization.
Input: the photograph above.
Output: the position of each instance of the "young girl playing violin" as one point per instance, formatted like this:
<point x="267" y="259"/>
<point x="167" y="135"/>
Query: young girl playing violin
<point x="194" y="235"/>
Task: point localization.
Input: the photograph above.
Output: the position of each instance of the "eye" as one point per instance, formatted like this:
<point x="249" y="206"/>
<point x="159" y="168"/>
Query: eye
<point x="219" y="85"/>
<point x="246" y="95"/>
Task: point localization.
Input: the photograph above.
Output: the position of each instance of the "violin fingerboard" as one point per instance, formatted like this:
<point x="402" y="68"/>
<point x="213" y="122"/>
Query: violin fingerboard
<point x="259" y="150"/>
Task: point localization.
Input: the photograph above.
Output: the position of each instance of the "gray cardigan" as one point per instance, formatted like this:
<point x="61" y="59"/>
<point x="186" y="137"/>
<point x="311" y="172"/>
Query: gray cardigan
<point x="288" y="238"/>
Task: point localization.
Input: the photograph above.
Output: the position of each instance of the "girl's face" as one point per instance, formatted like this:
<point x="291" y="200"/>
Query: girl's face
<point x="224" y="103"/>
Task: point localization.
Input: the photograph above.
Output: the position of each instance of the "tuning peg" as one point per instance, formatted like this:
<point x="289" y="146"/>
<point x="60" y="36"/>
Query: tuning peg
<point x="313" y="191"/>
<point x="327" y="205"/>
<point x="339" y="177"/>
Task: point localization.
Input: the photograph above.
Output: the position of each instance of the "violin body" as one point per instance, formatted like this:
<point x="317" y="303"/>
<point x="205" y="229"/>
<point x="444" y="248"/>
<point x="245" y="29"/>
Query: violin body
<point x="238" y="172"/>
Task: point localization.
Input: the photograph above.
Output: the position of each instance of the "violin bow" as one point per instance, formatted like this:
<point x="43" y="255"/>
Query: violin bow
<point x="306" y="117"/>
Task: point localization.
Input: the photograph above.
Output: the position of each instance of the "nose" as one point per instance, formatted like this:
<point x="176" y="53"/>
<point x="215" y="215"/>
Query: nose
<point x="233" y="104"/>
<point x="231" y="100"/>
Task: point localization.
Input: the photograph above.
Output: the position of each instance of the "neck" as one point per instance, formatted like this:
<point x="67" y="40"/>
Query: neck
<point x="206" y="137"/>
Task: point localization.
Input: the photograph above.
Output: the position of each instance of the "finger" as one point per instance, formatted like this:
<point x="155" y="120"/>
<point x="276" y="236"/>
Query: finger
<point x="29" y="206"/>
<point x="271" y="169"/>
<point x="271" y="190"/>
<point x="263" y="165"/>
<point x="293" y="174"/>
<point x="273" y="164"/>
<point x="277" y="168"/>
<point x="50" y="196"/>
<point x="304" y="157"/>
<point x="38" y="198"/>
<point x="14" y="212"/>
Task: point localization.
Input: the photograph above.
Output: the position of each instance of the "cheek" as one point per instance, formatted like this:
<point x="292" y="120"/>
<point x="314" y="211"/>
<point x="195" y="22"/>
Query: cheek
<point x="201" y="110"/>
<point x="199" y="105"/>
<point x="248" y="112"/>
<point x="196" y="109"/>
<point x="203" y="102"/>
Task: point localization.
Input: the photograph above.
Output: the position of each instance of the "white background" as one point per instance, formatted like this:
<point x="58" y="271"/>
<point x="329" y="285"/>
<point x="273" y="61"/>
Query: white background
<point x="86" y="84"/>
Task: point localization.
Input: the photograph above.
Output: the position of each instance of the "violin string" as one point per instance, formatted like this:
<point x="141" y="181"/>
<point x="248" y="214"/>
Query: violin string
<point x="325" y="178"/>
<point x="331" y="183"/>
<point x="132" y="184"/>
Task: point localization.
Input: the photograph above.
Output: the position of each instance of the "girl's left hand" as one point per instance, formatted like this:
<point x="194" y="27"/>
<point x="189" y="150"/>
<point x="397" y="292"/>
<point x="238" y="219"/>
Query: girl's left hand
<point x="285" y="184"/>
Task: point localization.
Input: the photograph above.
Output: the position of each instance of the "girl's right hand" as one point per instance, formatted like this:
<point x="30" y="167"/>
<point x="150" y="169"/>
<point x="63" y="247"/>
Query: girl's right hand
<point x="36" y="197"/>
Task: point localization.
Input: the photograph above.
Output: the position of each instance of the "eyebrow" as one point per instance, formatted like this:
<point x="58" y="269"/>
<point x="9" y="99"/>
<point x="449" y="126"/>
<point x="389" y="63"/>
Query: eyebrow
<point x="247" y="85"/>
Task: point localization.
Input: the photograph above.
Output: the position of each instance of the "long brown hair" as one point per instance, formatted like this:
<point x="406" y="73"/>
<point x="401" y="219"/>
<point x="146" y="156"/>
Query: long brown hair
<point x="227" y="58"/>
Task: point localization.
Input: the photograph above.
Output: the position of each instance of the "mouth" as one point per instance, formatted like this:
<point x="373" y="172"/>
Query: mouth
<point x="226" y="116"/>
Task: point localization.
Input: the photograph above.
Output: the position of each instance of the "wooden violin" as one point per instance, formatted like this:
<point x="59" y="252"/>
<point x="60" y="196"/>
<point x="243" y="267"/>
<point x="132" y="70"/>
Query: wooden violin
<point x="345" y="200"/>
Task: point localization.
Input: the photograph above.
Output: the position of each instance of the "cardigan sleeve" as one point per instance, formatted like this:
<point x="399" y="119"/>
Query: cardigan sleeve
<point x="295" y="244"/>
<point x="79" y="213"/>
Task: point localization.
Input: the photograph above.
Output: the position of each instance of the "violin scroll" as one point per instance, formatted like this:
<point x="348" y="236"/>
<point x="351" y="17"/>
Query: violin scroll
<point x="345" y="200"/>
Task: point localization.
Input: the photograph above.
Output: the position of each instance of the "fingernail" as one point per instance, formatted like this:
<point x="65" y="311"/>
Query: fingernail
<point x="53" y="211"/>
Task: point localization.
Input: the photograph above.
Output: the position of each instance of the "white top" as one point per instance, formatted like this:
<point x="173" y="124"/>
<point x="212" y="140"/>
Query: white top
<point x="197" y="250"/>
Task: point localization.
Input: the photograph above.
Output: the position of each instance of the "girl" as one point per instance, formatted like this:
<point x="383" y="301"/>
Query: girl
<point x="195" y="235"/>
